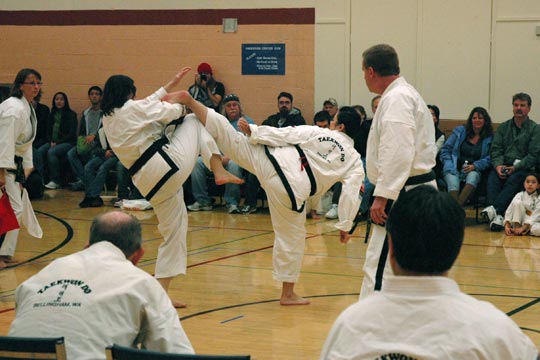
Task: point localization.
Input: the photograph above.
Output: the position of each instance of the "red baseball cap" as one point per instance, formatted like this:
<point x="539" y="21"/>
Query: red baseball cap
<point x="204" y="68"/>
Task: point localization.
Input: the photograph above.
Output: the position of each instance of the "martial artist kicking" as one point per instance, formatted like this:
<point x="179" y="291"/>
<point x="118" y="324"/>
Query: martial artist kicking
<point x="292" y="164"/>
<point x="159" y="165"/>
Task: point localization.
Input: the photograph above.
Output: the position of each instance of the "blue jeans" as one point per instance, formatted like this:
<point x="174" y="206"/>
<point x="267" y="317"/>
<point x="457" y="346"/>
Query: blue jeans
<point x="500" y="192"/>
<point x="199" y="184"/>
<point x="453" y="182"/>
<point x="53" y="155"/>
<point x="368" y="191"/>
<point x="95" y="174"/>
<point x="77" y="162"/>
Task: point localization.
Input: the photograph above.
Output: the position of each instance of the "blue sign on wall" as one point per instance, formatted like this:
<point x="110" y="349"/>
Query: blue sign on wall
<point x="263" y="59"/>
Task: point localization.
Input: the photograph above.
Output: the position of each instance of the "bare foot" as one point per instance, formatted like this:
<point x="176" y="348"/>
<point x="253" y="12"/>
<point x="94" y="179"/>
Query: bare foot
<point x="178" y="304"/>
<point x="177" y="97"/>
<point x="314" y="215"/>
<point x="8" y="259"/>
<point x="225" y="177"/>
<point x="3" y="265"/>
<point x="293" y="300"/>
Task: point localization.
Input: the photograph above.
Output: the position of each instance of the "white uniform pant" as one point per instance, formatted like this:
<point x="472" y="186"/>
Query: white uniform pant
<point x="15" y="198"/>
<point x="516" y="212"/>
<point x="188" y="141"/>
<point x="289" y="225"/>
<point x="535" y="229"/>
<point x="373" y="254"/>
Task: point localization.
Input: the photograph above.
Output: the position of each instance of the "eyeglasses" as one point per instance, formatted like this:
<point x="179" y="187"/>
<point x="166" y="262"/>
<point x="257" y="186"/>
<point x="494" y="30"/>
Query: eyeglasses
<point x="33" y="83"/>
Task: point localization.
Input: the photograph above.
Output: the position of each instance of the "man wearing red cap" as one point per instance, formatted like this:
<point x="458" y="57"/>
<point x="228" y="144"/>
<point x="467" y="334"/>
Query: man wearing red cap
<point x="206" y="89"/>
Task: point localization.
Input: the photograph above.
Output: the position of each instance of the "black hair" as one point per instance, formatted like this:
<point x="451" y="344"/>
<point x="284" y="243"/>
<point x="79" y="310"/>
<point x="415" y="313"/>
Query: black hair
<point x="426" y="227"/>
<point x="349" y="117"/>
<point x="361" y="110"/>
<point x="487" y="130"/>
<point x="118" y="89"/>
<point x="95" y="87"/>
<point x="322" y="116"/>
<point x="285" y="94"/>
<point x="436" y="110"/>
<point x="66" y="107"/>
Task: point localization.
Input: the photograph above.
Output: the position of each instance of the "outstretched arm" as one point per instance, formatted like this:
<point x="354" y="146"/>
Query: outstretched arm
<point x="176" y="79"/>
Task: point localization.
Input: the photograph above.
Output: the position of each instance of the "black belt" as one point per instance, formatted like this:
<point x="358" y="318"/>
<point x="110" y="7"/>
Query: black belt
<point x="305" y="166"/>
<point x="420" y="179"/>
<point x="18" y="171"/>
<point x="156" y="147"/>
<point x="413" y="180"/>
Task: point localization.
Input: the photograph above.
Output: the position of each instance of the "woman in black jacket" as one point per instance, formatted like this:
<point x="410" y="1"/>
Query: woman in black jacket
<point x="61" y="136"/>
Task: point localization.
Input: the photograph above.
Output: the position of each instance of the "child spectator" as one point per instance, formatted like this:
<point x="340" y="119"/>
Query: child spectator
<point x="522" y="213"/>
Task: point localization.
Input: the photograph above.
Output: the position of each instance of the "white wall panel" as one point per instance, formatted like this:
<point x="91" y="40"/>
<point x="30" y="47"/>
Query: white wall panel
<point x="455" y="55"/>
<point x="373" y="22"/>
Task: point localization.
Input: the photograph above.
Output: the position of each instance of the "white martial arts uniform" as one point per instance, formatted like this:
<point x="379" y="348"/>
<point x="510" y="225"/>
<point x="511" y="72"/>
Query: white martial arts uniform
<point x="17" y="132"/>
<point x="524" y="209"/>
<point x="400" y="145"/>
<point x="331" y="157"/>
<point x="131" y="130"/>
<point x="425" y="317"/>
<point x="96" y="298"/>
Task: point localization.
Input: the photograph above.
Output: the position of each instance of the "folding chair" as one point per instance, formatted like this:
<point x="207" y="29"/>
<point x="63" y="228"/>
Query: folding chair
<point x="32" y="348"/>
<point x="117" y="352"/>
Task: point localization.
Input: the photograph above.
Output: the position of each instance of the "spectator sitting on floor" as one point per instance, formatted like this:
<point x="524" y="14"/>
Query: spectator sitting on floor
<point x="514" y="152"/>
<point x="523" y="214"/>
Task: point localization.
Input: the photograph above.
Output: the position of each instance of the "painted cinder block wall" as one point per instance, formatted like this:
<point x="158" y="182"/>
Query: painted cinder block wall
<point x="73" y="56"/>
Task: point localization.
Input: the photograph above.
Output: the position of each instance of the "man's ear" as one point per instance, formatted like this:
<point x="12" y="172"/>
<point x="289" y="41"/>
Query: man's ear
<point x="137" y="255"/>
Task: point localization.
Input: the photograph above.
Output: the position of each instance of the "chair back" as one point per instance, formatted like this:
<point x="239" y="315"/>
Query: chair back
<point x="32" y="348"/>
<point x="117" y="352"/>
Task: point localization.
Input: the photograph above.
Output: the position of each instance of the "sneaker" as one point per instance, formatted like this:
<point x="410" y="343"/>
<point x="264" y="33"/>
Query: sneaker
<point x="489" y="213"/>
<point x="51" y="185"/>
<point x="76" y="186"/>
<point x="497" y="224"/>
<point x="198" y="207"/>
<point x="117" y="203"/>
<point x="332" y="213"/>
<point x="233" y="209"/>
<point x="248" y="209"/>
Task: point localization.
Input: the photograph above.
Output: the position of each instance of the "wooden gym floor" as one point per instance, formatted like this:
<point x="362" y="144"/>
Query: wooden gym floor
<point x="232" y="300"/>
